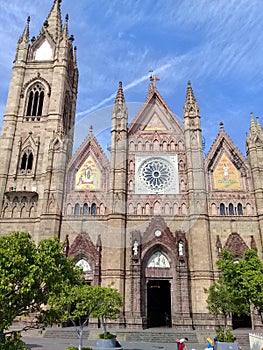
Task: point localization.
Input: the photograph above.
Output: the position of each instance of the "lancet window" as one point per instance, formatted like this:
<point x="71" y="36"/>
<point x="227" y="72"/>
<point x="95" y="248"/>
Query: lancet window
<point x="35" y="101"/>
<point x="27" y="158"/>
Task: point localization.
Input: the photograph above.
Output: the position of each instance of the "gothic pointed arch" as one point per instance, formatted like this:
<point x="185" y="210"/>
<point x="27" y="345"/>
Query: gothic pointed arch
<point x="43" y="47"/>
<point x="87" y="178"/>
<point x="27" y="155"/>
<point x="83" y="249"/>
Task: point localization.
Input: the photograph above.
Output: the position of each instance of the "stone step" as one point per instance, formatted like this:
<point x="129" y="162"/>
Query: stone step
<point x="152" y="335"/>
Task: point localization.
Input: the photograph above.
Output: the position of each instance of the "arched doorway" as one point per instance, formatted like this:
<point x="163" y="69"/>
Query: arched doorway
<point x="158" y="303"/>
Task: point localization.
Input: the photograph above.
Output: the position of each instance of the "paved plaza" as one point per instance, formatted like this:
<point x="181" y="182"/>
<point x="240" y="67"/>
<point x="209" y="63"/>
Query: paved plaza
<point x="40" y="343"/>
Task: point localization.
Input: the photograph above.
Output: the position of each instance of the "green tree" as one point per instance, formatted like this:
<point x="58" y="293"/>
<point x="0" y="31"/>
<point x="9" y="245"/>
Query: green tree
<point x="29" y="275"/>
<point x="219" y="301"/>
<point x="240" y="285"/>
<point x="109" y="307"/>
<point x="79" y="303"/>
<point x="244" y="276"/>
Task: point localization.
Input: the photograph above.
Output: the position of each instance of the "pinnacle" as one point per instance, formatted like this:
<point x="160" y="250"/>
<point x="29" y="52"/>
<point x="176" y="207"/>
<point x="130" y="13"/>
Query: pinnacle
<point x="25" y="36"/>
<point x="120" y="96"/>
<point x="190" y="101"/>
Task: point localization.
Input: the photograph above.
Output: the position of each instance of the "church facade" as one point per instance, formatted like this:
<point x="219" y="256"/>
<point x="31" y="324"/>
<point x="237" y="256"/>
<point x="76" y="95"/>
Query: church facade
<point x="153" y="217"/>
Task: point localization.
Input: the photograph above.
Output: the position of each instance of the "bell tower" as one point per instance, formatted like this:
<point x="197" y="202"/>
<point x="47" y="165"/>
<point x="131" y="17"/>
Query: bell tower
<point x="37" y="134"/>
<point x="198" y="224"/>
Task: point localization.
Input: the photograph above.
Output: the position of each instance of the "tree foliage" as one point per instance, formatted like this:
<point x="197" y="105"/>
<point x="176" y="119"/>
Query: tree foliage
<point x="79" y="303"/>
<point x="109" y="307"/>
<point x="29" y="274"/>
<point x="244" y="277"/>
<point x="239" y="287"/>
<point x="219" y="301"/>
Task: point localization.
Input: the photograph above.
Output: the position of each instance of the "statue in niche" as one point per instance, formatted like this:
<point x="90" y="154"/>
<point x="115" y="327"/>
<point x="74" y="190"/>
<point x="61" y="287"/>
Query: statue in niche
<point x="180" y="248"/>
<point x="135" y="248"/>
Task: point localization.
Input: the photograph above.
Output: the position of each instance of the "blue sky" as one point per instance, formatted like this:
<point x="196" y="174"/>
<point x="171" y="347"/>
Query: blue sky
<point x="217" y="44"/>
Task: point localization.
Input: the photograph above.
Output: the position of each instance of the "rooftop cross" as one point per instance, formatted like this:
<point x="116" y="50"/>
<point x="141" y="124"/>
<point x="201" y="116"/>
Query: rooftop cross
<point x="154" y="79"/>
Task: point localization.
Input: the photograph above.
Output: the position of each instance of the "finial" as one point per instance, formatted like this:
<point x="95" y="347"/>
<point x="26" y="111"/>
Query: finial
<point x="91" y="129"/>
<point x="66" y="18"/>
<point x="189" y="83"/>
<point x="71" y="38"/>
<point x="221" y="124"/>
<point x="28" y="19"/>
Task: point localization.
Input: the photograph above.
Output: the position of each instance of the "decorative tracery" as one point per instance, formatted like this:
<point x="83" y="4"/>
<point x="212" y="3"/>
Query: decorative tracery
<point x="156" y="174"/>
<point x="35" y="101"/>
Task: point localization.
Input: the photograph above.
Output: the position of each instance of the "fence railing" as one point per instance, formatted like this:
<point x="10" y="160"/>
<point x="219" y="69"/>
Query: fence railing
<point x="256" y="341"/>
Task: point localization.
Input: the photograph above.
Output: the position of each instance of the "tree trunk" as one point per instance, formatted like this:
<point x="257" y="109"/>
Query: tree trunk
<point x="80" y="338"/>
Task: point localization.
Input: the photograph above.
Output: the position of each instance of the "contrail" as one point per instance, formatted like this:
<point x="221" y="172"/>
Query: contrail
<point x="127" y="87"/>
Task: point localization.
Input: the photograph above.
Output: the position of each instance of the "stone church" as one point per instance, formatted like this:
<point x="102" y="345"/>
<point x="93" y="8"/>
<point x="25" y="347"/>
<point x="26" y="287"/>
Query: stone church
<point x="154" y="216"/>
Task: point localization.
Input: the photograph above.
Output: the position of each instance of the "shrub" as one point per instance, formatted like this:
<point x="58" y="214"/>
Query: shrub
<point x="13" y="341"/>
<point x="106" y="336"/>
<point x="224" y="335"/>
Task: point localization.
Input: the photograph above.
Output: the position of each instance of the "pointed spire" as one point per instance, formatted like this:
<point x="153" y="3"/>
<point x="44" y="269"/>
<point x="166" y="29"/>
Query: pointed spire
<point x="191" y="106"/>
<point x="25" y="36"/>
<point x="120" y="95"/>
<point x="53" y="22"/>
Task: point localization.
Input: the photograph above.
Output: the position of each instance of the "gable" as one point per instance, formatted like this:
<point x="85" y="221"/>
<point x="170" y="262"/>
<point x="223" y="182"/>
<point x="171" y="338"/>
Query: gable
<point x="155" y="116"/>
<point x="154" y="124"/>
<point x="226" y="175"/>
<point x="226" y="166"/>
<point x="88" y="168"/>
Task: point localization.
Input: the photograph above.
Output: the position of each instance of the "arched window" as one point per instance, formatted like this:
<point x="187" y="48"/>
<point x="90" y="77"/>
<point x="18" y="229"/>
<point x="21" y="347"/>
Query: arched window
<point x="85" y="209"/>
<point x="35" y="101"/>
<point x="239" y="209"/>
<point x="77" y="209"/>
<point x="222" y="209"/>
<point x="27" y="161"/>
<point x="93" y="209"/>
<point x="231" y="209"/>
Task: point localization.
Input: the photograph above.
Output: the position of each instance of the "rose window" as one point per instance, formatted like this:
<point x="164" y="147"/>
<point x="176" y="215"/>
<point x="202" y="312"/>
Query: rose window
<point x="156" y="174"/>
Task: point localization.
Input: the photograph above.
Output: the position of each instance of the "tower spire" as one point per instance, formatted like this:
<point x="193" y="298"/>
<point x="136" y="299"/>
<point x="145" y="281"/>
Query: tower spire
<point x="53" y="23"/>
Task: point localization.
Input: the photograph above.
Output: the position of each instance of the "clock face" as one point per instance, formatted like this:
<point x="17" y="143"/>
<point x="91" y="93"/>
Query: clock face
<point x="157" y="233"/>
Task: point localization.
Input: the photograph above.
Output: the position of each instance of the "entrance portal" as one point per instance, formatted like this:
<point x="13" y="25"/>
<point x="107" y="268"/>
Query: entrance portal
<point x="242" y="321"/>
<point x="158" y="303"/>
